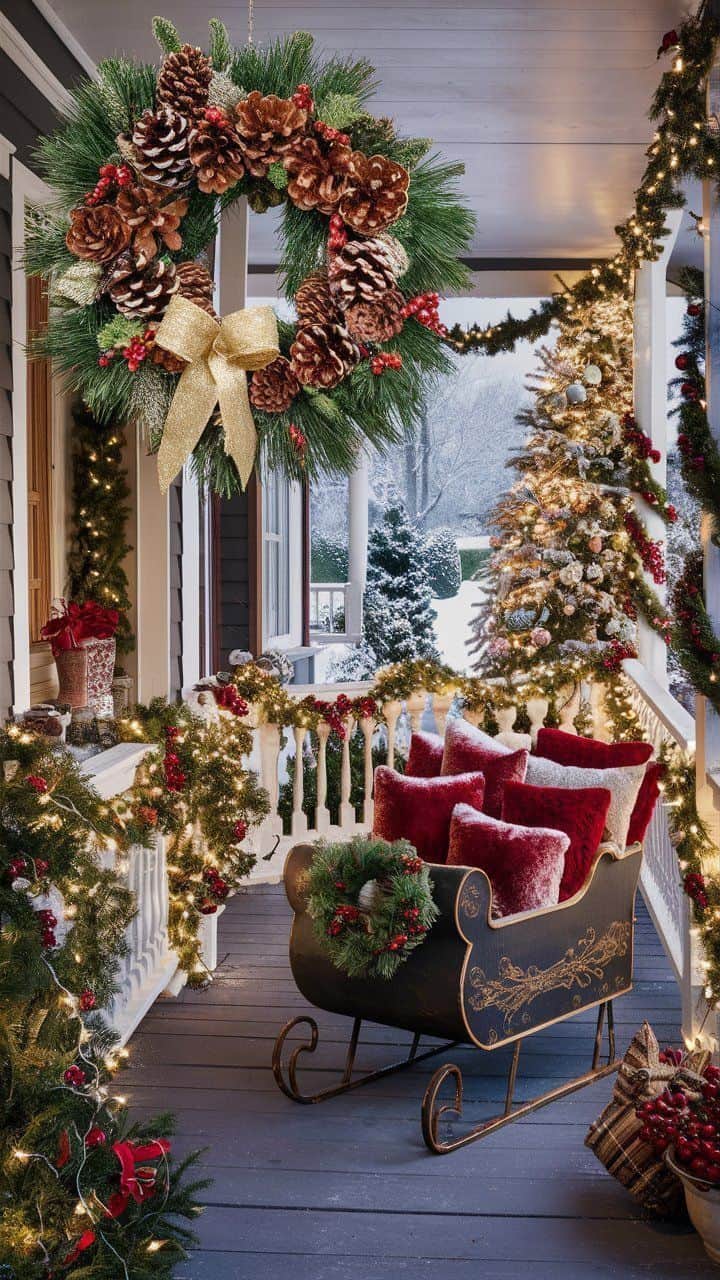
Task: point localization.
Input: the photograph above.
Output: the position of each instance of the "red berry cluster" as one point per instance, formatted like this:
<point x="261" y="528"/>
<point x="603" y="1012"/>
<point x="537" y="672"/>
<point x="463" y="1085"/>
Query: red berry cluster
<point x="175" y="778"/>
<point x="338" y="237"/>
<point x="365" y="707"/>
<point x="303" y="98"/>
<point x="146" y="815"/>
<point x="615" y="654"/>
<point x="48" y="923"/>
<point x="298" y="439"/>
<point x="75" y="1076"/>
<point x="87" y="1000"/>
<point x="17" y="867"/>
<point x="240" y="830"/>
<point x="690" y="390"/>
<point x="424" y="307"/>
<point x="217" y="886"/>
<point x="37" y="783"/>
<point x="334" y="713"/>
<point x="412" y="915"/>
<point x="690" y="610"/>
<point x="227" y="697"/>
<point x="650" y="552"/>
<point x="411" y="866"/>
<point x="111" y="176"/>
<point x="689" y="1123"/>
<point x="385" y="360"/>
<point x="696" y="461"/>
<point x="215" y="116"/>
<point x="328" y="134"/>
<point x="397" y="943"/>
<point x="629" y="608"/>
<point x="694" y="887"/>
<point x="133" y="354"/>
<point x="345" y="917"/>
<point x="641" y="443"/>
<point x="42" y="868"/>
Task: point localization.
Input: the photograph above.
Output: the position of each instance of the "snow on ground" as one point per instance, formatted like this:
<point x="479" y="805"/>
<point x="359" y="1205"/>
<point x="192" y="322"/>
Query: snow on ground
<point x="452" y="627"/>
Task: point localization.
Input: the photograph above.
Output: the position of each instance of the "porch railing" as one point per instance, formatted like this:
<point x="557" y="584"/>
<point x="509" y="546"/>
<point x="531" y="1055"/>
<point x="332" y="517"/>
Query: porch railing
<point x="328" y="612"/>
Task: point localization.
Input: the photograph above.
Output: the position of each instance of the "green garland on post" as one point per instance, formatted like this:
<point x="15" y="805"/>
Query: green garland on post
<point x="371" y="904"/>
<point x="99" y="520"/>
<point x="684" y="146"/>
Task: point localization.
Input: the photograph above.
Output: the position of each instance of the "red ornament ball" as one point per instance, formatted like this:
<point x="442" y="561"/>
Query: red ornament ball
<point x="87" y="1000"/>
<point x="694" y="309"/>
<point x="74" y="1076"/>
<point x="95" y="1137"/>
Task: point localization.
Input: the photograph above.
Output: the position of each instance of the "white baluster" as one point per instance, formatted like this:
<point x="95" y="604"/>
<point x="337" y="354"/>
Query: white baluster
<point x="537" y="709"/>
<point x="347" y="812"/>
<point x="506" y="717"/>
<point x="570" y="709"/>
<point x="391" y="714"/>
<point x="322" y="813"/>
<point x="441" y="705"/>
<point x="415" y="706"/>
<point x="597" y="706"/>
<point x="299" y="818"/>
<point x="270" y="740"/>
<point x="367" y="726"/>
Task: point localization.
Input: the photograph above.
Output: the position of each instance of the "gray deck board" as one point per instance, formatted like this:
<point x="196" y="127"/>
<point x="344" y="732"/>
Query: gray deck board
<point x="347" y="1191"/>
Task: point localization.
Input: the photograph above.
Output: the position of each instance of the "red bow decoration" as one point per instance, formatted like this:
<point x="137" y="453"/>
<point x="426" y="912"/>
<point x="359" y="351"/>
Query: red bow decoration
<point x="137" y="1179"/>
<point x="72" y="623"/>
<point x="86" y="1241"/>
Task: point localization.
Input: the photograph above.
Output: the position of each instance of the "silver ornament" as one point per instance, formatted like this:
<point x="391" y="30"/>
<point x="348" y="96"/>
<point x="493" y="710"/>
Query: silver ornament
<point x="576" y="393"/>
<point x="592" y="375"/>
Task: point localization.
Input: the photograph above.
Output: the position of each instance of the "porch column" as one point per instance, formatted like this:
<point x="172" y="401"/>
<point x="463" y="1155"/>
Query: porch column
<point x="358" y="485"/>
<point x="650" y="404"/>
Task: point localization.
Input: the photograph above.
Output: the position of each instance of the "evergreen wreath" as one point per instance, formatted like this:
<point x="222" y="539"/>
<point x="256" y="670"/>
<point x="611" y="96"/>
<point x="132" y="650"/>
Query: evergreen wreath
<point x="142" y="168"/>
<point x="371" y="903"/>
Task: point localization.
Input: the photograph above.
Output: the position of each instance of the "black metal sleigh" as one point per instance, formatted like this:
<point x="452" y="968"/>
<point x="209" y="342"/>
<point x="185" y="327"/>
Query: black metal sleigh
<point x="476" y="981"/>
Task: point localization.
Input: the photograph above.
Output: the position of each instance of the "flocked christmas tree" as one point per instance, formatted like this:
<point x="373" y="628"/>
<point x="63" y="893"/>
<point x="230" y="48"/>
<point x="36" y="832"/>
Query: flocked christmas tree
<point x="398" y="615"/>
<point x="571" y="547"/>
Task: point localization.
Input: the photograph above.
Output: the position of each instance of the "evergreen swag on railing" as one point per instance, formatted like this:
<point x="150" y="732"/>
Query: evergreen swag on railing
<point x="685" y="145"/>
<point x="70" y="1198"/>
<point x="142" y="167"/>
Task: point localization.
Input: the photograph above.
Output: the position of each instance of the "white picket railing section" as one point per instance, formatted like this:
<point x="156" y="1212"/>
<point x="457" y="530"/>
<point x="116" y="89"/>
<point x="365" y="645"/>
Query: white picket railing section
<point x="328" y="612"/>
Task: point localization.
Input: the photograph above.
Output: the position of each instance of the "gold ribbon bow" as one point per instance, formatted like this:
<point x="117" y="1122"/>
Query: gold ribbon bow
<point x="219" y="355"/>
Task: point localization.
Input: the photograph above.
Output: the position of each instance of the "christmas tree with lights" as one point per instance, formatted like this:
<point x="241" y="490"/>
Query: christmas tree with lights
<point x="573" y="567"/>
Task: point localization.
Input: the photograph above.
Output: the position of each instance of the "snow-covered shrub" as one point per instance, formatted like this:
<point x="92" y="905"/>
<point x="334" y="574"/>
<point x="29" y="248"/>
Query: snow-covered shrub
<point x="329" y="561"/>
<point x="443" y="562"/>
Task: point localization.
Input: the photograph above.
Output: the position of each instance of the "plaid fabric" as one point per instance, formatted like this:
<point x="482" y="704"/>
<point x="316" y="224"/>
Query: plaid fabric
<point x="615" y="1136"/>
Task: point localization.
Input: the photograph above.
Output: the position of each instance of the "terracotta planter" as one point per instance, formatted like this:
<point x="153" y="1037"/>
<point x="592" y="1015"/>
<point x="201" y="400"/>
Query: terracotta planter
<point x="72" y="667"/>
<point x="100" y="668"/>
<point x="703" y="1206"/>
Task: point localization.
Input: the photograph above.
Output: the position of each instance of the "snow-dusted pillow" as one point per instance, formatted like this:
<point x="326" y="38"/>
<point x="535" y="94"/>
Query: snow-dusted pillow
<point x="623" y="784"/>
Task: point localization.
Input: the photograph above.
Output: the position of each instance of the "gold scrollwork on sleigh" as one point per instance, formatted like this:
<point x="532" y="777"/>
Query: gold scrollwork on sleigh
<point x="515" y="988"/>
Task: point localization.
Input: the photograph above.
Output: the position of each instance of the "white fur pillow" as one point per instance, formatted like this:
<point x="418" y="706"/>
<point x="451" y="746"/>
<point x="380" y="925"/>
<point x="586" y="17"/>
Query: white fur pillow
<point x="622" y="783"/>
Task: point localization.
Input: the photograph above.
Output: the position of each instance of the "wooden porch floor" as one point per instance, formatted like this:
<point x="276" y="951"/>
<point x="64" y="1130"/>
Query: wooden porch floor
<point x="347" y="1190"/>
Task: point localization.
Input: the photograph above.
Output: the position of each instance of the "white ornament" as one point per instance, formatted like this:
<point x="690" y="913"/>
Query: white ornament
<point x="369" y="896"/>
<point x="592" y="375"/>
<point x="576" y="393"/>
<point x="53" y="901"/>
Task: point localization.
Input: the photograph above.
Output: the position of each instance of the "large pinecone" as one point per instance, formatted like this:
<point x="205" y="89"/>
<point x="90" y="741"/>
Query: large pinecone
<point x="194" y="283"/>
<point x="216" y="154"/>
<point x="361" y="272"/>
<point x="318" y="174"/>
<point x="274" y="388"/>
<point x="314" y="302"/>
<point x="323" y="354"/>
<point x="184" y="81"/>
<point x="97" y="232"/>
<point x="160" y="139"/>
<point x="377" y="193"/>
<point x="151" y="220"/>
<point x="377" y="321"/>
<point x="269" y="126"/>
<point x="142" y="291"/>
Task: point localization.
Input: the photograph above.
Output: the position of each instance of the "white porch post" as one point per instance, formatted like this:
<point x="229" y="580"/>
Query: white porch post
<point x="358" y="486"/>
<point x="650" y="403"/>
<point x="151" y="539"/>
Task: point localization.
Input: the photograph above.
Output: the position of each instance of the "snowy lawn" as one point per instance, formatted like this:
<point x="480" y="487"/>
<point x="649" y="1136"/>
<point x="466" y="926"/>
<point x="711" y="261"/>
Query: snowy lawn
<point x="452" y="627"/>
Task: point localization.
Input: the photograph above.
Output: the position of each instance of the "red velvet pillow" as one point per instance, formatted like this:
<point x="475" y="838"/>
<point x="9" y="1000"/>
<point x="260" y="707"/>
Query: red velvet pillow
<point x="580" y="813"/>
<point x="468" y="749"/>
<point x="523" y="864"/>
<point x="425" y="756"/>
<point x="571" y="748"/>
<point x="420" y="809"/>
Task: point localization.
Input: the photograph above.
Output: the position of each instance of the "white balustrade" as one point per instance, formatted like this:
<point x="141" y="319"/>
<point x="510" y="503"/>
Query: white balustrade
<point x="329" y="606"/>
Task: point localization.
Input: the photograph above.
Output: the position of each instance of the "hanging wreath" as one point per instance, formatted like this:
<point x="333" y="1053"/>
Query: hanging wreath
<point x="371" y="903"/>
<point x="370" y="232"/>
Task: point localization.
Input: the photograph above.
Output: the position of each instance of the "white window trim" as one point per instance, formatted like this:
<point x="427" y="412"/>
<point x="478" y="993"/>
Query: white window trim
<point x="293" y="638"/>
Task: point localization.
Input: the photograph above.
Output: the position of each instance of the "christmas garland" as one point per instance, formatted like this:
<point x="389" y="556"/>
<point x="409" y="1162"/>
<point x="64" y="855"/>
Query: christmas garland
<point x="685" y="145"/>
<point x="194" y="791"/>
<point x="371" y="904"/>
<point x="699" y="454"/>
<point x="83" y="1190"/>
<point x="141" y="169"/>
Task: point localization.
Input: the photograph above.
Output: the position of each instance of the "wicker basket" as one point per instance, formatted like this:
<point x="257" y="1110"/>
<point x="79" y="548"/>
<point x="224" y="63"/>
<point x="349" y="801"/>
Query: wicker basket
<point x="72" y="669"/>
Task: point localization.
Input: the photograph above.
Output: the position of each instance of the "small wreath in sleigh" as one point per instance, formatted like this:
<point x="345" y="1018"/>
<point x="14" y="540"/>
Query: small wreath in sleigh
<point x="371" y="903"/>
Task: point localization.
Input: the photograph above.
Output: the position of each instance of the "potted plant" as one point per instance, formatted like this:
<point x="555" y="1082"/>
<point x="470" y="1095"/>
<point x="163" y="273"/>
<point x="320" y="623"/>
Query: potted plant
<point x="82" y="639"/>
<point x="684" y="1124"/>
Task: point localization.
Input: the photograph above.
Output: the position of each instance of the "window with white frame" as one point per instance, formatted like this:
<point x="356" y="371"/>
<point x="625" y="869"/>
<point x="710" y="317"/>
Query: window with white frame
<point x="276" y="557"/>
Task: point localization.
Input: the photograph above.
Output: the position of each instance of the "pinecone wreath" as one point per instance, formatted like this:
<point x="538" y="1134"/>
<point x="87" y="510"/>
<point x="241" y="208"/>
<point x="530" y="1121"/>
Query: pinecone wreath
<point x="323" y="354"/>
<point x="377" y="193"/>
<point x="184" y="81"/>
<point x="314" y="302"/>
<point x="377" y="321"/>
<point x="97" y="233"/>
<point x="361" y="272"/>
<point x="215" y="153"/>
<point x="318" y="174"/>
<point x="274" y="388"/>
<point x="160" y="140"/>
<point x="142" y="291"/>
<point x="268" y="126"/>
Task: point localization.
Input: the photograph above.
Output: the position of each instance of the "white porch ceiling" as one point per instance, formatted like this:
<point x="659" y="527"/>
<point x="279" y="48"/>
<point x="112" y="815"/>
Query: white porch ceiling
<point x="545" y="101"/>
